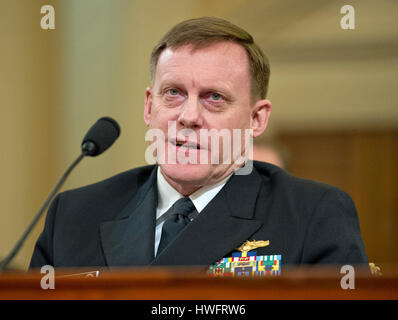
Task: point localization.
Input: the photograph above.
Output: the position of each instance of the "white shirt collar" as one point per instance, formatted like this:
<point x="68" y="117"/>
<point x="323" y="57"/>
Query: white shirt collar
<point x="167" y="195"/>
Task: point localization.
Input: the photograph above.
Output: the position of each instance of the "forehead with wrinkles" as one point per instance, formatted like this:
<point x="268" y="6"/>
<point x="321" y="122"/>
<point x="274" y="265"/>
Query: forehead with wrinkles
<point x="221" y="65"/>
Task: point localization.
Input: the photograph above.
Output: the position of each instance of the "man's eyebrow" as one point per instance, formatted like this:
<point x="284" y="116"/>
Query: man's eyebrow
<point x="218" y="87"/>
<point x="171" y="83"/>
<point x="222" y="89"/>
<point x="215" y="89"/>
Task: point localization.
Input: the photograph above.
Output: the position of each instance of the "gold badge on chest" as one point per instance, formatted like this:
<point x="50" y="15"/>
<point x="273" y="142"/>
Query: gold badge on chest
<point x="251" y="245"/>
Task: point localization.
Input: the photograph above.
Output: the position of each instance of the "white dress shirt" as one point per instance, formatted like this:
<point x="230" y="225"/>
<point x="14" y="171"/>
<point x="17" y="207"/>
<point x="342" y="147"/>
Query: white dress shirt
<point x="167" y="195"/>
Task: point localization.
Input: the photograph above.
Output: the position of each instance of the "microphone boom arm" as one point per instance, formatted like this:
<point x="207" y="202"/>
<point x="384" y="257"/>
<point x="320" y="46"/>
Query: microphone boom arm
<point x="4" y="263"/>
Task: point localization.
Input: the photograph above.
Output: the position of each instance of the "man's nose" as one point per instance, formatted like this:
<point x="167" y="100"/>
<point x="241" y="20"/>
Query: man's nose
<point x="191" y="113"/>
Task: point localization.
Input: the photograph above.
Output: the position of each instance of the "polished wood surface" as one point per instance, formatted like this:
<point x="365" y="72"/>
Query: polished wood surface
<point x="191" y="284"/>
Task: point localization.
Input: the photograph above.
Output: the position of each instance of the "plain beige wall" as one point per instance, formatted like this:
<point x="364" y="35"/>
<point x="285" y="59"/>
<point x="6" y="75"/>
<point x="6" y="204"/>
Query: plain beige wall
<point x="27" y="131"/>
<point x="55" y="84"/>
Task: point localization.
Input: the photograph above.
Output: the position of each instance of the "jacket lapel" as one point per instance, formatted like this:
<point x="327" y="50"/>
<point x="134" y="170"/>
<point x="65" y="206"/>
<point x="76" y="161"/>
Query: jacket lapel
<point x="129" y="240"/>
<point x="225" y="223"/>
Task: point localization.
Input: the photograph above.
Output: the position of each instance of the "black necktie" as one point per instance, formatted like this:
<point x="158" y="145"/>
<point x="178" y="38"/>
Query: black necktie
<point x="176" y="221"/>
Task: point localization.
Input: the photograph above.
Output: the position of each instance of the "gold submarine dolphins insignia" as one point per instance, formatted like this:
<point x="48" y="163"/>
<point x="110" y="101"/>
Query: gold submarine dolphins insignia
<point x="251" y="245"/>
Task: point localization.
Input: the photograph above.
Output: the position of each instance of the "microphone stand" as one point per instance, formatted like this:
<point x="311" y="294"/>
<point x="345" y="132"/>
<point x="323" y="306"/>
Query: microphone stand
<point x="4" y="263"/>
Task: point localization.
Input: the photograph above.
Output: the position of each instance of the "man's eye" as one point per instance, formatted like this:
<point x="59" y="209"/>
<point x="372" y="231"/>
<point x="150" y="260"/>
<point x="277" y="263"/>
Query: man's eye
<point x="173" y="92"/>
<point x="216" y="96"/>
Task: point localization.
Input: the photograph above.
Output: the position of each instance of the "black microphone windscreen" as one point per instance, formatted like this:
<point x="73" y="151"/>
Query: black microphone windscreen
<point x="100" y="136"/>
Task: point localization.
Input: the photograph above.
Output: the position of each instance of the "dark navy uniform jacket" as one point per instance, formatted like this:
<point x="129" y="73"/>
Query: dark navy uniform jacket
<point x="112" y="223"/>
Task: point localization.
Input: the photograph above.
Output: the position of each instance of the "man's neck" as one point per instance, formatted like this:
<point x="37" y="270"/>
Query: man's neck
<point x="188" y="189"/>
<point x="167" y="195"/>
<point x="184" y="190"/>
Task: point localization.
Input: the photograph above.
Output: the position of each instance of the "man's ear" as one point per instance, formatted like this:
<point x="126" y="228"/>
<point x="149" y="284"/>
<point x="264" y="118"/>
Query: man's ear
<point x="148" y="105"/>
<point x="260" y="116"/>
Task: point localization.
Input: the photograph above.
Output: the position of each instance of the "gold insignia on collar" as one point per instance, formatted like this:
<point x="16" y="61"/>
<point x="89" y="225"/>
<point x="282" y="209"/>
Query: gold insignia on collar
<point x="251" y="245"/>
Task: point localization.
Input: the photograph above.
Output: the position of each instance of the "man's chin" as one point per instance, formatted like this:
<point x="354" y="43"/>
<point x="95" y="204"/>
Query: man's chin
<point x="192" y="174"/>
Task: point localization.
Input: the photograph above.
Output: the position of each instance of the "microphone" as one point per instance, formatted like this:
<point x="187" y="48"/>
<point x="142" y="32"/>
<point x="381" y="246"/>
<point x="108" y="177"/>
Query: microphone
<point x="97" y="140"/>
<point x="100" y="137"/>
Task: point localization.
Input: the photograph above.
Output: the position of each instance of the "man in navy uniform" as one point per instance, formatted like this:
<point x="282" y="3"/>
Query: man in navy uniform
<point x="207" y="74"/>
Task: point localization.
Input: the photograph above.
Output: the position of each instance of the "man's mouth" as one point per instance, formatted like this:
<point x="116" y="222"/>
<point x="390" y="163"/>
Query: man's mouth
<point x="186" y="144"/>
